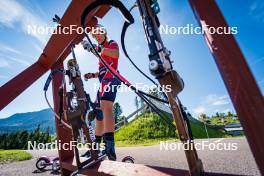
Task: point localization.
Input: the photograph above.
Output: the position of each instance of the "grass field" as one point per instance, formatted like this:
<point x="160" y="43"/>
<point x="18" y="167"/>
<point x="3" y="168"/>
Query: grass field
<point x="145" y="142"/>
<point x="149" y="129"/>
<point x="7" y="156"/>
<point x="199" y="131"/>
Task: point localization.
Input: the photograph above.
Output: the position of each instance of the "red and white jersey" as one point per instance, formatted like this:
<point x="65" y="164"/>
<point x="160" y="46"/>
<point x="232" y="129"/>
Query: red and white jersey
<point x="113" y="62"/>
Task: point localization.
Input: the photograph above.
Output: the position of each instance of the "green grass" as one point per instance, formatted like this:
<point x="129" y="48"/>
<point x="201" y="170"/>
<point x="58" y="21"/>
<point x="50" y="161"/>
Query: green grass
<point x="145" y="127"/>
<point x="149" y="129"/>
<point x="199" y="131"/>
<point x="219" y="121"/>
<point x="7" y="156"/>
<point x="144" y="142"/>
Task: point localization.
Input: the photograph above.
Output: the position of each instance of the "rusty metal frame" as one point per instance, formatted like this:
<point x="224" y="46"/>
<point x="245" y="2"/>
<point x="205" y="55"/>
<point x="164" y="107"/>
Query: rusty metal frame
<point x="242" y="87"/>
<point x="239" y="81"/>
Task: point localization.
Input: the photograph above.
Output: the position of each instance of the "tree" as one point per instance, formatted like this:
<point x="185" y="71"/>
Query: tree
<point x="3" y="141"/>
<point x="47" y="137"/>
<point x="117" y="110"/>
<point x="229" y="114"/>
<point x="235" y="117"/>
<point x="203" y="117"/>
<point x="21" y="139"/>
<point x="37" y="134"/>
<point x="24" y="139"/>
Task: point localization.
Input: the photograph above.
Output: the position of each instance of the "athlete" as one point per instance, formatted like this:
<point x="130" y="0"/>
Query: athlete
<point x="105" y="125"/>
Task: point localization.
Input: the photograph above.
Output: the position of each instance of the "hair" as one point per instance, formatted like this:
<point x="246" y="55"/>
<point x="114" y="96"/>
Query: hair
<point x="102" y="29"/>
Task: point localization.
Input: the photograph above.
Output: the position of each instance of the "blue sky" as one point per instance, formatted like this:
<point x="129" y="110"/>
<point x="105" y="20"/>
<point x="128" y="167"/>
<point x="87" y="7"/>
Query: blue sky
<point x="204" y="89"/>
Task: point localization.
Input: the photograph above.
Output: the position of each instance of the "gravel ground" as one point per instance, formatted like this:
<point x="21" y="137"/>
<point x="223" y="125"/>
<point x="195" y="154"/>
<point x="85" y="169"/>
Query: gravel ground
<point x="240" y="161"/>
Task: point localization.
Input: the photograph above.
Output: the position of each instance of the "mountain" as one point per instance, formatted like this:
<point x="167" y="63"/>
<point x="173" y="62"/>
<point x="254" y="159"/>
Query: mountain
<point x="28" y="121"/>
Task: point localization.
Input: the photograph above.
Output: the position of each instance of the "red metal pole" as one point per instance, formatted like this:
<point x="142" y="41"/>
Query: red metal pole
<point x="240" y="83"/>
<point x="64" y="135"/>
<point x="13" y="88"/>
<point x="56" y="48"/>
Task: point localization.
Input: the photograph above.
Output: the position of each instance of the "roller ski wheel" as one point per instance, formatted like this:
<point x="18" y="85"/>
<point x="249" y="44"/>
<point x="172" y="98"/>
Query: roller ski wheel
<point x="128" y="159"/>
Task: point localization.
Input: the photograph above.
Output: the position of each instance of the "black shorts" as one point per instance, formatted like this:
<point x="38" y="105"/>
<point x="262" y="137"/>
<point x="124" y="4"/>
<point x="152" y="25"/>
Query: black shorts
<point x="107" y="91"/>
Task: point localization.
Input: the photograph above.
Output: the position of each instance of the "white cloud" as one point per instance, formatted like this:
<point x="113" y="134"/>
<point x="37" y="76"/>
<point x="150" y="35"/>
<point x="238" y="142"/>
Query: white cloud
<point x="216" y="110"/>
<point x="9" y="54"/>
<point x="257" y="61"/>
<point x="13" y="14"/>
<point x="199" y="110"/>
<point x="217" y="100"/>
<point x="213" y="103"/>
<point x="6" y="48"/>
<point x="261" y="82"/>
<point x="256" y="10"/>
<point x="226" y="110"/>
<point x="3" y="77"/>
<point x="7" y="51"/>
<point x="3" y="63"/>
<point x="8" y="61"/>
<point x="20" y="61"/>
<point x="37" y="47"/>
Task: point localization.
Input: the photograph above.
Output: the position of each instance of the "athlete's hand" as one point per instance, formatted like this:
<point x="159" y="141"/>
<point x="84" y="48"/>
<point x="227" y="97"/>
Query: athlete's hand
<point x="86" y="45"/>
<point x="89" y="76"/>
<point x="97" y="48"/>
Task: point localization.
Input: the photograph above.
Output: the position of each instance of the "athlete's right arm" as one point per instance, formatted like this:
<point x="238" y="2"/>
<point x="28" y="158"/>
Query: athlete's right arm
<point x="86" y="45"/>
<point x="91" y="75"/>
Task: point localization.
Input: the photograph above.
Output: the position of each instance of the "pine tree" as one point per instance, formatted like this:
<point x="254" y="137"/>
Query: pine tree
<point x="24" y="139"/>
<point x="117" y="111"/>
<point x="37" y="134"/>
<point x="47" y="137"/>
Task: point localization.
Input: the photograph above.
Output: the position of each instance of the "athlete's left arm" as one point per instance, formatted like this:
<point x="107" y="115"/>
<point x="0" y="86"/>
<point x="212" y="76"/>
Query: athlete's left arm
<point x="111" y="51"/>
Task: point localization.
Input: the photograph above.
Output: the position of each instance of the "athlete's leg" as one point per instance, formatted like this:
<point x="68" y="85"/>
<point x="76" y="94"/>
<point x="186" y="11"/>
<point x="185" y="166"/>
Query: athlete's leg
<point x="107" y="98"/>
<point x="99" y="127"/>
<point x="99" y="124"/>
<point x="109" y="120"/>
<point x="109" y="128"/>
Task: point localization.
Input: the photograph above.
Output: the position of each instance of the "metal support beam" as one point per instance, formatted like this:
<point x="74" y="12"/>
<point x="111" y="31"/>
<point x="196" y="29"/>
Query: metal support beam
<point x="168" y="77"/>
<point x="17" y="85"/>
<point x="64" y="135"/>
<point x="240" y="83"/>
<point x="56" y="48"/>
<point x="108" y="168"/>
